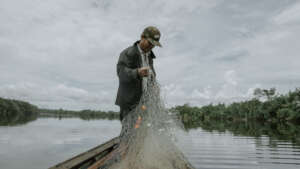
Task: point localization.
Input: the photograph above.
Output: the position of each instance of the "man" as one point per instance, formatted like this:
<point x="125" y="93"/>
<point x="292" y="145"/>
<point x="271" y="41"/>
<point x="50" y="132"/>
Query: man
<point x="134" y="65"/>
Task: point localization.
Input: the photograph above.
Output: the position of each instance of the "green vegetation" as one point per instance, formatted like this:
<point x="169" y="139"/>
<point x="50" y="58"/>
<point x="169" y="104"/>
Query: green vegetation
<point x="278" y="116"/>
<point x="276" y="108"/>
<point x="281" y="109"/>
<point x="83" y="114"/>
<point x="16" y="112"/>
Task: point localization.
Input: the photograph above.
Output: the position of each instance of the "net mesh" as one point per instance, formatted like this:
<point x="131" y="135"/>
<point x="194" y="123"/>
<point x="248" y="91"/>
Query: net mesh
<point x="147" y="139"/>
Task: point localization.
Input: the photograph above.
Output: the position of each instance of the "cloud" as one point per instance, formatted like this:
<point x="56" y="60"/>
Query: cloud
<point x="63" y="53"/>
<point x="60" y="95"/>
<point x="289" y="16"/>
<point x="232" y="56"/>
<point x="205" y="94"/>
<point x="229" y="92"/>
<point x="229" y="89"/>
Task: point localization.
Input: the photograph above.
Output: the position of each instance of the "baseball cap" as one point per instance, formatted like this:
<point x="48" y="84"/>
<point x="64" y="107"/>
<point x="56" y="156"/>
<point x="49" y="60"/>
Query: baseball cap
<point x="152" y="34"/>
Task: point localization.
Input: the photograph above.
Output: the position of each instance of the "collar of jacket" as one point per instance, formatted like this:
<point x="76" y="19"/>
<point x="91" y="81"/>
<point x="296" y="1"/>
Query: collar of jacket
<point x="137" y="50"/>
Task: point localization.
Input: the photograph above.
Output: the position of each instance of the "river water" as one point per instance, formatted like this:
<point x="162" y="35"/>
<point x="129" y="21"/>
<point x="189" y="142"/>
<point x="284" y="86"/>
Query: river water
<point x="47" y="141"/>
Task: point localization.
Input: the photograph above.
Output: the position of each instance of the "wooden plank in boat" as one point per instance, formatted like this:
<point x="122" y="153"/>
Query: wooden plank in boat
<point x="86" y="156"/>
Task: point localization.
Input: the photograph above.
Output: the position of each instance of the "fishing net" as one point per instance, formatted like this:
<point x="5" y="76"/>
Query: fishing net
<point x="147" y="139"/>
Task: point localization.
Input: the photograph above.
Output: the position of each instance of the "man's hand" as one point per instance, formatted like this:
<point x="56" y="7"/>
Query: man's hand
<point x="144" y="71"/>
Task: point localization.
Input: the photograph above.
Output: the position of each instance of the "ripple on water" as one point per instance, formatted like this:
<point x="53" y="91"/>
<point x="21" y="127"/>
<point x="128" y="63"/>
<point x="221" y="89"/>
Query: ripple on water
<point x="212" y="150"/>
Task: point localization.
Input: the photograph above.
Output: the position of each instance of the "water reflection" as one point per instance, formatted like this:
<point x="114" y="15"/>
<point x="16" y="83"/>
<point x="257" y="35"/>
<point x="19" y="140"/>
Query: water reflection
<point x="18" y="120"/>
<point x="220" y="150"/>
<point x="22" y="120"/>
<point x="48" y="141"/>
<point x="276" y="131"/>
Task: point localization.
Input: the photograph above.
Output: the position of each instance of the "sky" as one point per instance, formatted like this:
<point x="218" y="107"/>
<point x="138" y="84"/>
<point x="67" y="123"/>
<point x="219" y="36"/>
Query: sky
<point x="63" y="53"/>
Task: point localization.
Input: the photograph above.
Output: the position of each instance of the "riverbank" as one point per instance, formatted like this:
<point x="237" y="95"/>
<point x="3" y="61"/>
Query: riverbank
<point x="14" y="112"/>
<point x="265" y="107"/>
<point x="276" y="108"/>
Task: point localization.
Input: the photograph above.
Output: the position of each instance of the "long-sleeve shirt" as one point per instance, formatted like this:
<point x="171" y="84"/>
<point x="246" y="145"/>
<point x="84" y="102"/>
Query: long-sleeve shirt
<point x="145" y="63"/>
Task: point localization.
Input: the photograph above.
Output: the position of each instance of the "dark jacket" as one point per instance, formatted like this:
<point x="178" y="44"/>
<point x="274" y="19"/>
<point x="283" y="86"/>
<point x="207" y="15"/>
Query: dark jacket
<point x="130" y="83"/>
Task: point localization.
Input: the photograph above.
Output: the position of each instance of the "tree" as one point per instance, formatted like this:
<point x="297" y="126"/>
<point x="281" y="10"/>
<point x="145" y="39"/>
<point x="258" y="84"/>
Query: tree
<point x="268" y="93"/>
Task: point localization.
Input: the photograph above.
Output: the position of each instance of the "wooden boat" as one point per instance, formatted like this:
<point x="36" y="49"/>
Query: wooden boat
<point x="97" y="156"/>
<point x="89" y="158"/>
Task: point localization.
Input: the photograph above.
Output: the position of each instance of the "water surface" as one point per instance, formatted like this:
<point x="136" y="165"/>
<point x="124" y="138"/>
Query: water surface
<point x="48" y="141"/>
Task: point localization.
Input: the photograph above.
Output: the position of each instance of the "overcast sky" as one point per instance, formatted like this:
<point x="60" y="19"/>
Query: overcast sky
<point x="63" y="53"/>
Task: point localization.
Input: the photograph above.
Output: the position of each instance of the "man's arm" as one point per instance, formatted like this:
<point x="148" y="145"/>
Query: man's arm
<point x="125" y="73"/>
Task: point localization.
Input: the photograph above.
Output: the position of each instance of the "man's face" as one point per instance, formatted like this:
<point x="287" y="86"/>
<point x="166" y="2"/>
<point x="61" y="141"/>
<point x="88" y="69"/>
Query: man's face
<point x="146" y="45"/>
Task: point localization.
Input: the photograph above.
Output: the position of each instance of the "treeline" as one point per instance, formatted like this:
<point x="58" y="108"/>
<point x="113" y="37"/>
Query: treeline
<point x="13" y="112"/>
<point x="16" y="112"/>
<point x="83" y="114"/>
<point x="267" y="106"/>
<point x="273" y="108"/>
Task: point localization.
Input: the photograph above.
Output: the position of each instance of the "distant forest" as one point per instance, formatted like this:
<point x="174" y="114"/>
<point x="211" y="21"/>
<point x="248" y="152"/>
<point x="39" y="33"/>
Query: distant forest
<point x="13" y="112"/>
<point x="266" y="106"/>
<point x="16" y="112"/>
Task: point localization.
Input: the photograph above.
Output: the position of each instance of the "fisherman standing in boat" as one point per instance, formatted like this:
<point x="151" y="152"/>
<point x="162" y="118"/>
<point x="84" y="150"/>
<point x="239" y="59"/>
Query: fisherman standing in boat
<point x="135" y="63"/>
<point x="145" y="140"/>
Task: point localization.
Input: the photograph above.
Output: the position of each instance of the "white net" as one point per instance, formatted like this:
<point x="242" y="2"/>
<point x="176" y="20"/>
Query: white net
<point x="147" y="136"/>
